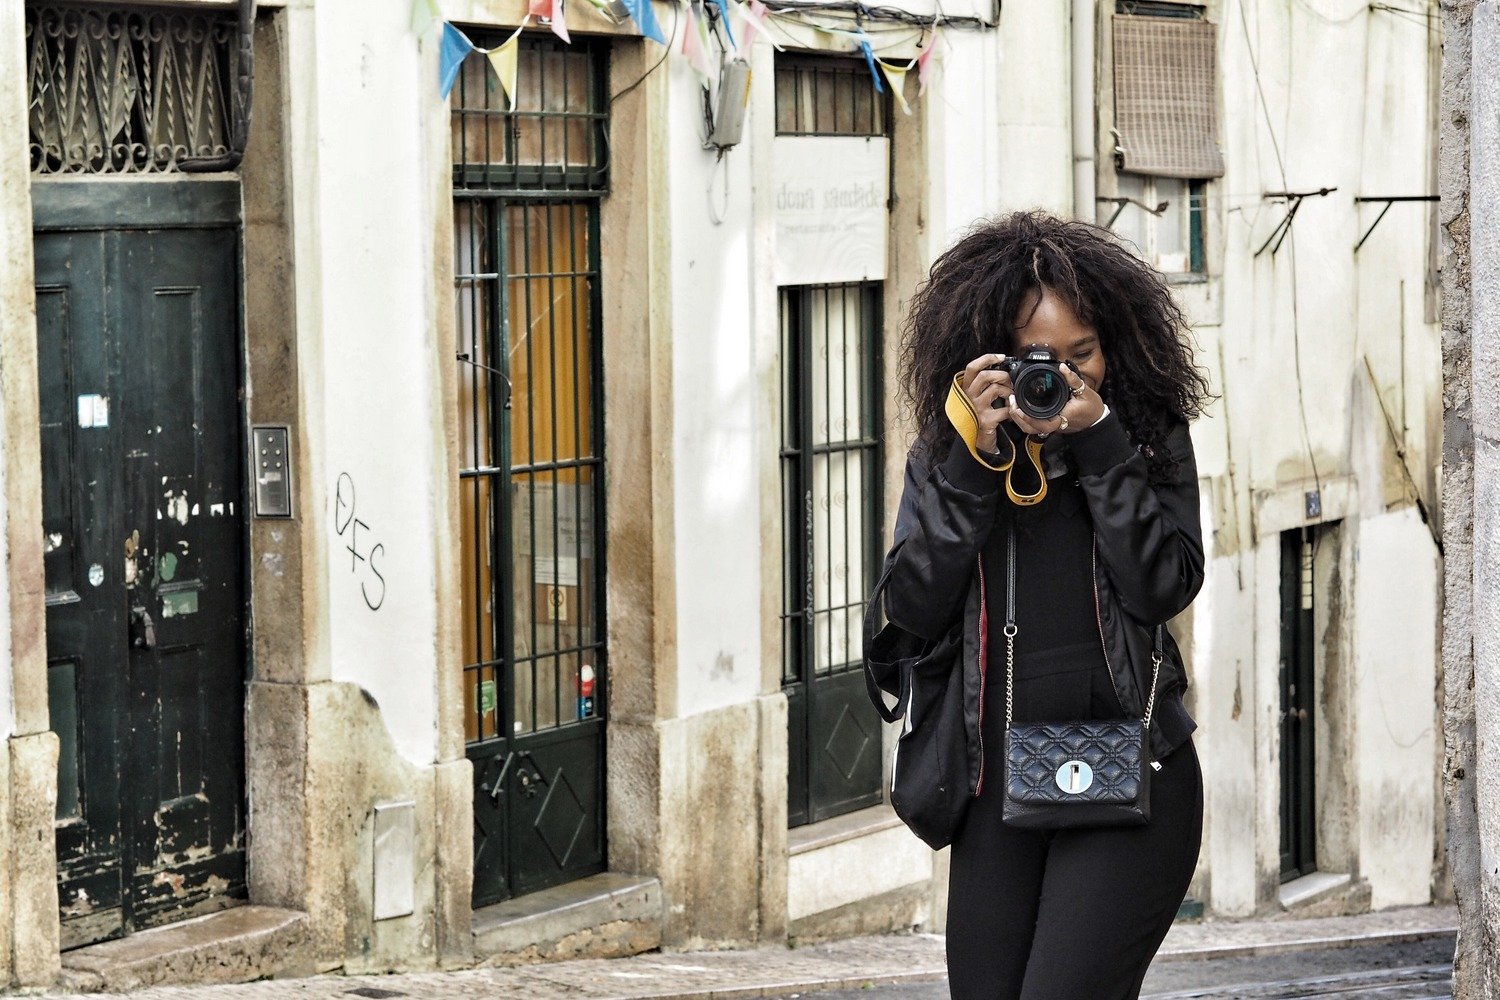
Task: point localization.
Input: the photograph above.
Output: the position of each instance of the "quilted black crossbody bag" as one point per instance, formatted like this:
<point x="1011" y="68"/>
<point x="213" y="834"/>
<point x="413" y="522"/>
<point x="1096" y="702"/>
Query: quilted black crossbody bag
<point x="1076" y="773"/>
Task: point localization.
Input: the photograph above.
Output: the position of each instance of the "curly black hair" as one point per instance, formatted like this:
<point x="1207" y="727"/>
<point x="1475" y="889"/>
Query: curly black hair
<point x="969" y="303"/>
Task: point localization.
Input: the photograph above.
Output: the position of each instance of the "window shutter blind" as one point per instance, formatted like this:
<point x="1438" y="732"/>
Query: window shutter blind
<point x="1166" y="107"/>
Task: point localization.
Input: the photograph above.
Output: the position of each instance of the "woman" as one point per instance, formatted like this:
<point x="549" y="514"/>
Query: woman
<point x="1113" y="548"/>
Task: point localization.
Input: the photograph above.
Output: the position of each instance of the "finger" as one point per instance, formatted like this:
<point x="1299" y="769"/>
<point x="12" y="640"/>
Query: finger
<point x="1030" y="424"/>
<point x="988" y="380"/>
<point x="1021" y="420"/>
<point x="993" y="396"/>
<point x="1074" y="379"/>
<point x="979" y="364"/>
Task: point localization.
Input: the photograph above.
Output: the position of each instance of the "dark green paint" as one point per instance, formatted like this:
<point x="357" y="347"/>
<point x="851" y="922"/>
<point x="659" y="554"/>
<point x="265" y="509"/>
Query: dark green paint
<point x="148" y="705"/>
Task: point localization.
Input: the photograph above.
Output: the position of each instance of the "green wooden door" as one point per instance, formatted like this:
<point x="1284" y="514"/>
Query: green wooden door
<point x="138" y="343"/>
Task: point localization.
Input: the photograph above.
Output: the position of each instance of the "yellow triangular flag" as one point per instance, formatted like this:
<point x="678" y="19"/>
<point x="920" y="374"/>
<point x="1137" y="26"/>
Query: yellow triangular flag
<point x="503" y="58"/>
<point x="896" y="77"/>
<point x="423" y="14"/>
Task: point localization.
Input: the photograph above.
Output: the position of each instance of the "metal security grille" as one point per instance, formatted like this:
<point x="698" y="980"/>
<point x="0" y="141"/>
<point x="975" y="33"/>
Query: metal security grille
<point x="817" y="95"/>
<point x="555" y="141"/>
<point x="830" y="464"/>
<point x="126" y="90"/>
<point x="530" y="387"/>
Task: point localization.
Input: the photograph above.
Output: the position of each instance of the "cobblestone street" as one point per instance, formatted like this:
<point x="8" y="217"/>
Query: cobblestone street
<point x="1209" y="960"/>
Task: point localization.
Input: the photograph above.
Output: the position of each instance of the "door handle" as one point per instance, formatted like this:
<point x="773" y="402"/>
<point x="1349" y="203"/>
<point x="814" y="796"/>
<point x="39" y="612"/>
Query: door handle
<point x="142" y="629"/>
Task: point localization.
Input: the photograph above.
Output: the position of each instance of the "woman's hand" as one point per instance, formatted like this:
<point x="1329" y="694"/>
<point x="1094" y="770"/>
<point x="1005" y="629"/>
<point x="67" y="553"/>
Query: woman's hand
<point x="1082" y="411"/>
<point x="988" y="388"/>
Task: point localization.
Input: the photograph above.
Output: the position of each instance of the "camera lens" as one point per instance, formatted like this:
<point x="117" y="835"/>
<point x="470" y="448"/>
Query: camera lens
<point x="1041" y="392"/>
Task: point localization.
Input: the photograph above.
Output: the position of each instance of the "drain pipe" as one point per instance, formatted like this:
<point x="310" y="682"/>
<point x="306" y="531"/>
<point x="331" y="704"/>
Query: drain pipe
<point x="1083" y="92"/>
<point x="239" y="112"/>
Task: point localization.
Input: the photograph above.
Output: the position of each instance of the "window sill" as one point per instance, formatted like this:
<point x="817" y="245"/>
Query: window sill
<point x="1189" y="278"/>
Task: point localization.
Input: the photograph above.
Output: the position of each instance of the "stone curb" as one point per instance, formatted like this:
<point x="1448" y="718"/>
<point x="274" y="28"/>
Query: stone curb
<point x="1205" y="953"/>
<point x="928" y="975"/>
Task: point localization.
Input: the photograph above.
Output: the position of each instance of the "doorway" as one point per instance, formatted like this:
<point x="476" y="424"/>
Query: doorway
<point x="1298" y="704"/>
<point x="528" y="182"/>
<point x="138" y="344"/>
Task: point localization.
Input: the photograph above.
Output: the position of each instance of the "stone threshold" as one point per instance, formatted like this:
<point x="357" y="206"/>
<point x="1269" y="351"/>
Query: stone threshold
<point x="1311" y="888"/>
<point x="826" y="833"/>
<point x="236" y="945"/>
<point x="608" y="915"/>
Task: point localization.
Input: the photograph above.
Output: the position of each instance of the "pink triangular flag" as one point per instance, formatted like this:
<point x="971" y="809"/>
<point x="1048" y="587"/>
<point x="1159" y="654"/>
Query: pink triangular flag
<point x="923" y="62"/>
<point x="753" y="14"/>
<point x="693" y="49"/>
<point x="560" y="22"/>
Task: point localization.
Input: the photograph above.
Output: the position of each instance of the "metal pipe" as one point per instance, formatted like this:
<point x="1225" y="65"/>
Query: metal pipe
<point x="1084" y="90"/>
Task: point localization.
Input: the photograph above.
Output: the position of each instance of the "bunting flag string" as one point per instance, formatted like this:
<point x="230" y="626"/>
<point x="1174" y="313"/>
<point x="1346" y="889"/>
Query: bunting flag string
<point x="723" y="6"/>
<point x="864" y="46"/>
<point x="695" y="47"/>
<point x="455" y="48"/>
<point x="924" y="62"/>
<point x="754" y="14"/>
<point x="424" y="14"/>
<point x="896" y="77"/>
<point x="503" y="59"/>
<point x="698" y="39"/>
<point x="645" y="19"/>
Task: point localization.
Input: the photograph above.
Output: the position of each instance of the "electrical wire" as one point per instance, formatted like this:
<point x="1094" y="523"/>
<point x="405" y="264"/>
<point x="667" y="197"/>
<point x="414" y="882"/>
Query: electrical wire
<point x="863" y="12"/>
<point x="666" y="51"/>
<point x="1292" y="248"/>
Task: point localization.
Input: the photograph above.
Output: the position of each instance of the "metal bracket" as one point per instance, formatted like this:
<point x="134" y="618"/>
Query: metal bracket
<point x="1120" y="204"/>
<point x="1285" y="225"/>
<point x="1388" y="203"/>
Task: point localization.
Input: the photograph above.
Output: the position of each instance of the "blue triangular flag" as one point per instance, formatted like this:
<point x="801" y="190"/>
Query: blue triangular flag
<point x="456" y="46"/>
<point x="724" y="16"/>
<point x="645" y="19"/>
<point x="864" y="45"/>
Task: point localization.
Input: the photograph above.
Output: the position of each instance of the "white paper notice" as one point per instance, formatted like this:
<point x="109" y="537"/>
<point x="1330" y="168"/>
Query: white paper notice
<point x="830" y="202"/>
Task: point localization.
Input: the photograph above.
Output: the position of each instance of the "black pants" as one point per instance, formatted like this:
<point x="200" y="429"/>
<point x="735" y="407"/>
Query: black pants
<point x="1070" y="914"/>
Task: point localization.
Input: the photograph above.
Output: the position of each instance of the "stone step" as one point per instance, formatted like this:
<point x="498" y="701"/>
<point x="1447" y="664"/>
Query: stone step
<point x="602" y="916"/>
<point x="235" y="945"/>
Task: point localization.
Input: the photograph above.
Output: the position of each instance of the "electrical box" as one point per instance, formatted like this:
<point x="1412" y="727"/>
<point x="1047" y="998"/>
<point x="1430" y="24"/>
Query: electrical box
<point x="271" y="461"/>
<point x="734" y="98"/>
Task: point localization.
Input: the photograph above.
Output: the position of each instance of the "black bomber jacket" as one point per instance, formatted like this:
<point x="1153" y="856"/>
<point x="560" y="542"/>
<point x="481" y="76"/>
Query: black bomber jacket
<point x="1148" y="566"/>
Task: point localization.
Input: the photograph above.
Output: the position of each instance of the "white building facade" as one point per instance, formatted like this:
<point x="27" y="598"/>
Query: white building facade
<point x="489" y="492"/>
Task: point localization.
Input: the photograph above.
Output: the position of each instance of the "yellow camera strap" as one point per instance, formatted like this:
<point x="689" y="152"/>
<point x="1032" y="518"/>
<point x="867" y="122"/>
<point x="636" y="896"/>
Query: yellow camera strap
<point x="965" y="420"/>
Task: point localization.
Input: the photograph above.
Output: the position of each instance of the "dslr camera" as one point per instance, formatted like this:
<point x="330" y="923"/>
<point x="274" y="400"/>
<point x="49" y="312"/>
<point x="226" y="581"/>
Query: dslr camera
<point x="1041" y="388"/>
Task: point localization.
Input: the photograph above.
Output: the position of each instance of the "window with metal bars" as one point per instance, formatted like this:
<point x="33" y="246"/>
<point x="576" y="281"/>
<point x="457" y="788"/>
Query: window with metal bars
<point x="553" y="142"/>
<point x="527" y="281"/>
<point x="830" y="461"/>
<point x="822" y="95"/>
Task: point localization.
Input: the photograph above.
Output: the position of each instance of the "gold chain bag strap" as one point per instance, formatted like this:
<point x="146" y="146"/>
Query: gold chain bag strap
<point x="1076" y="773"/>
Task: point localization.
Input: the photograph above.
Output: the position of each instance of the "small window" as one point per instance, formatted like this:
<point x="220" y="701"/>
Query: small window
<point x="1171" y="236"/>
<point x="823" y="95"/>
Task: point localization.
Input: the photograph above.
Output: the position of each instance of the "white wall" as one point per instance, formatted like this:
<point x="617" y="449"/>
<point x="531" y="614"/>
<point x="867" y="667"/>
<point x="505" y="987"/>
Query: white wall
<point x="1396" y="740"/>
<point x="369" y="245"/>
<point x="1343" y="98"/>
<point x="714" y="395"/>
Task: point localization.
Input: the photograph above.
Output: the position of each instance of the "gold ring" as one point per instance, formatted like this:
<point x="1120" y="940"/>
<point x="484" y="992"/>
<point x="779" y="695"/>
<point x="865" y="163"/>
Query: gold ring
<point x="1076" y="391"/>
<point x="1064" y="425"/>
